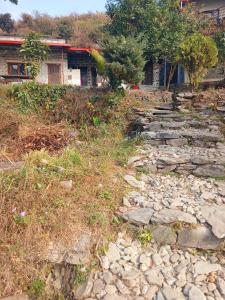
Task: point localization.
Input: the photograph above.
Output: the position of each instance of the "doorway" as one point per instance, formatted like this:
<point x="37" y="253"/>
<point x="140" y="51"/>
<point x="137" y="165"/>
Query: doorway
<point x="54" y="74"/>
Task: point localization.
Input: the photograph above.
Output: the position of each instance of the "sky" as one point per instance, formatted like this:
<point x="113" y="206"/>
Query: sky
<point x="52" y="7"/>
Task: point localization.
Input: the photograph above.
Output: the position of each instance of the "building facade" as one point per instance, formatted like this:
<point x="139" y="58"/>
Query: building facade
<point x="65" y="64"/>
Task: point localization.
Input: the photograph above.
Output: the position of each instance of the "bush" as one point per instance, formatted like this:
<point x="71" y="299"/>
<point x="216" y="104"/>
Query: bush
<point x="33" y="96"/>
<point x="198" y="53"/>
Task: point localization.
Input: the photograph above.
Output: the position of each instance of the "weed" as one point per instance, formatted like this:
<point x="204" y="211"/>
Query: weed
<point x="97" y="218"/>
<point x="144" y="236"/>
<point x="116" y="220"/>
<point x="21" y="219"/>
<point x="106" y="195"/>
<point x="81" y="275"/>
<point x="96" y="121"/>
<point x="37" y="288"/>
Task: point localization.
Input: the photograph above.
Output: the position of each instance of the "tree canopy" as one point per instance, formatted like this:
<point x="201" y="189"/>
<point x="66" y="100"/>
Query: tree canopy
<point x="14" y="1"/>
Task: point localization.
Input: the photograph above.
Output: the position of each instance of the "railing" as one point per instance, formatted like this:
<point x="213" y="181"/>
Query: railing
<point x="218" y="14"/>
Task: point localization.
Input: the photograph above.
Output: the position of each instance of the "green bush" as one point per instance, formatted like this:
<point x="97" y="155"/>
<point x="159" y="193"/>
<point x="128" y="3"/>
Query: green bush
<point x="33" y="96"/>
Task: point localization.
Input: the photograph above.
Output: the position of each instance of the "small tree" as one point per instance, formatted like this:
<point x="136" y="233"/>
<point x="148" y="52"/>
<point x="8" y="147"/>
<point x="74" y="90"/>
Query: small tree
<point x="14" y="1"/>
<point x="124" y="60"/>
<point x="34" y="53"/>
<point x="6" y="22"/>
<point x="100" y="61"/>
<point x="219" y="38"/>
<point x="198" y="53"/>
<point x="65" y="29"/>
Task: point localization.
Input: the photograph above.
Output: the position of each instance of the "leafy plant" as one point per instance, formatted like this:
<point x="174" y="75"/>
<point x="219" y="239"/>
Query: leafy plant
<point x="145" y="236"/>
<point x="106" y="195"/>
<point x="37" y="288"/>
<point x="96" y="121"/>
<point x="34" y="53"/>
<point x="124" y="60"/>
<point x="21" y="219"/>
<point x="100" y="61"/>
<point x="198" y="53"/>
<point x="32" y="96"/>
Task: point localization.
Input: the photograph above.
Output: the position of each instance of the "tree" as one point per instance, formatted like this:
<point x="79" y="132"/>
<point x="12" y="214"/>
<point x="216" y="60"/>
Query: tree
<point x="6" y="23"/>
<point x="65" y="29"/>
<point x="124" y="60"/>
<point x="219" y="39"/>
<point x="14" y="1"/>
<point x="160" y="22"/>
<point x="34" y="53"/>
<point x="198" y="53"/>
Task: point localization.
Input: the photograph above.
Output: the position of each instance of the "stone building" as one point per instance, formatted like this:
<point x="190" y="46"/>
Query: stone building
<point x="64" y="65"/>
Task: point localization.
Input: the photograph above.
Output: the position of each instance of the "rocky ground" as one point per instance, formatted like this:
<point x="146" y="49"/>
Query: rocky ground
<point x="178" y="202"/>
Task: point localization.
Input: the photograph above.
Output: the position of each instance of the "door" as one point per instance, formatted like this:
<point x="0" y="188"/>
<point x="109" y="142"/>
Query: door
<point x="84" y="76"/>
<point x="148" y="69"/>
<point x="54" y="74"/>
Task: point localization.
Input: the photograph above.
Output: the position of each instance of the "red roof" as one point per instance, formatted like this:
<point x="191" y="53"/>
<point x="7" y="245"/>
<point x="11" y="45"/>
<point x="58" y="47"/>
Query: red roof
<point x="20" y="42"/>
<point x="51" y="44"/>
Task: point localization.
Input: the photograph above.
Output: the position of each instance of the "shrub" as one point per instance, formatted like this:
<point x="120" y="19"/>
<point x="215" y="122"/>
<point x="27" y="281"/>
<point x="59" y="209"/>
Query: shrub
<point x="124" y="60"/>
<point x="32" y="96"/>
<point x="198" y="53"/>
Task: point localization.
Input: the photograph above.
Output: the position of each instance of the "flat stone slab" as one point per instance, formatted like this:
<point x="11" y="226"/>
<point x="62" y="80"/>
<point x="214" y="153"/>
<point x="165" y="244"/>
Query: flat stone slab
<point x="203" y="267"/>
<point x="140" y="216"/>
<point x="164" y="235"/>
<point x="8" y="166"/>
<point x="215" y="216"/>
<point x="132" y="181"/>
<point x="167" y="216"/>
<point x="210" y="171"/>
<point x="200" y="237"/>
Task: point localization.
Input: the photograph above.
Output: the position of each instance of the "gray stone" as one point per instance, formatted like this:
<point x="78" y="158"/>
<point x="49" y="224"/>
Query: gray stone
<point x="221" y="286"/>
<point x="174" y="258"/>
<point x="139" y="216"/>
<point x="167" y="216"/>
<point x="84" y="291"/>
<point x="151" y="292"/>
<point x="111" y="289"/>
<point x="67" y="185"/>
<point x="201" y="160"/>
<point x="164" y="235"/>
<point x="174" y="160"/>
<point x="79" y="254"/>
<point x="113" y="253"/>
<point x="202" y="267"/>
<point x="154" y="277"/>
<point x="114" y="297"/>
<point x="196" y="294"/>
<point x="131" y="180"/>
<point x="210" y="171"/>
<point x="10" y="167"/>
<point x="16" y="297"/>
<point x="200" y="237"/>
<point x="172" y="294"/>
<point x="156" y="258"/>
<point x="98" y="286"/>
<point x="215" y="216"/>
<point x="177" y="142"/>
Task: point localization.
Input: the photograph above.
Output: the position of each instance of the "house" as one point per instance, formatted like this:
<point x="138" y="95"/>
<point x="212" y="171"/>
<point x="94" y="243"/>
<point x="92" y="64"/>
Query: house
<point x="65" y="64"/>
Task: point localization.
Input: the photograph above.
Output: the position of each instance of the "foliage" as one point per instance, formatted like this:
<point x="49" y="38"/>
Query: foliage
<point x="33" y="96"/>
<point x="85" y="28"/>
<point x="100" y="61"/>
<point x="159" y="22"/>
<point x="144" y="236"/>
<point x="14" y="1"/>
<point x="37" y="288"/>
<point x="34" y="52"/>
<point x="6" y="22"/>
<point x="198" y="53"/>
<point x="124" y="60"/>
<point x="219" y="38"/>
<point x="65" y="29"/>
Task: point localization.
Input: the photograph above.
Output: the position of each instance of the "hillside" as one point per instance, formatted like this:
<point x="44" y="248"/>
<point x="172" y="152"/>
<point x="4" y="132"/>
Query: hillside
<point x="81" y="30"/>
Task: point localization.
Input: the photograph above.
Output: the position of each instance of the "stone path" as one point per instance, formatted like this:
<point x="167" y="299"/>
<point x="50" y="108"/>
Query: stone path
<point x="180" y="203"/>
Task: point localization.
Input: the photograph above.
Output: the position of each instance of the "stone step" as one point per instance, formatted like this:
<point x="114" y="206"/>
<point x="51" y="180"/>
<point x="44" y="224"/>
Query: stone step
<point x="191" y="135"/>
<point x="164" y="107"/>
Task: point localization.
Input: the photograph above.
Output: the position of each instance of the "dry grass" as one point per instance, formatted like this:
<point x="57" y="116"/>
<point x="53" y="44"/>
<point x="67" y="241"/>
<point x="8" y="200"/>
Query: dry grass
<point x="95" y="165"/>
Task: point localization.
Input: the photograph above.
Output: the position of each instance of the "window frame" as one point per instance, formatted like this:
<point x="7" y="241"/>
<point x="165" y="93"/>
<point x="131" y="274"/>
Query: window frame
<point x="19" y="64"/>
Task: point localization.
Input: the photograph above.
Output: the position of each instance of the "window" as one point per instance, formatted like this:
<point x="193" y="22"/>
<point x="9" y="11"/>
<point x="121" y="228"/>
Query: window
<point x="17" y="69"/>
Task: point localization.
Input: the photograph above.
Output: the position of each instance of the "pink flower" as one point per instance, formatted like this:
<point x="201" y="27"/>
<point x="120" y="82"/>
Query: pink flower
<point x="23" y="214"/>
